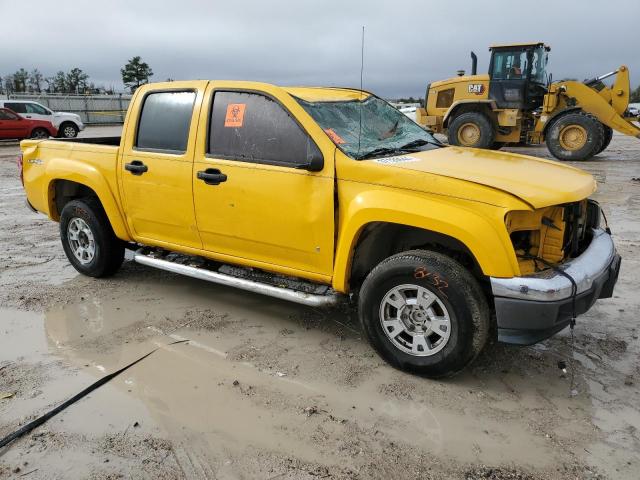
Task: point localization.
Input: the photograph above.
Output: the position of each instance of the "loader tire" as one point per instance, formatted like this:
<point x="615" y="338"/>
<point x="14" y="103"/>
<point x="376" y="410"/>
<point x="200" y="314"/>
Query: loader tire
<point x="88" y="239"/>
<point x="471" y="129"/>
<point x="608" y="136"/>
<point x="575" y="136"/>
<point x="423" y="312"/>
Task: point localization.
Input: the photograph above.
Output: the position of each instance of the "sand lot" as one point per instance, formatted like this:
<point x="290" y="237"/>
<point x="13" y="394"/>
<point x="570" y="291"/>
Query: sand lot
<point x="271" y="390"/>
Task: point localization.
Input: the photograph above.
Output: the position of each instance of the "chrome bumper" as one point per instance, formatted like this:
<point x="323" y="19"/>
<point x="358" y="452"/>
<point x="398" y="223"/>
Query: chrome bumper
<point x="549" y="285"/>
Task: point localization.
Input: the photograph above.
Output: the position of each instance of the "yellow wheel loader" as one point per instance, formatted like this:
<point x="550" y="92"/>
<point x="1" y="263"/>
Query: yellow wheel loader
<point x="517" y="102"/>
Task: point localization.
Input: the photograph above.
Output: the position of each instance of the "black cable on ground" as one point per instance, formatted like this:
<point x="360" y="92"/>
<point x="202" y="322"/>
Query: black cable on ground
<point x="572" y="324"/>
<point x="51" y="413"/>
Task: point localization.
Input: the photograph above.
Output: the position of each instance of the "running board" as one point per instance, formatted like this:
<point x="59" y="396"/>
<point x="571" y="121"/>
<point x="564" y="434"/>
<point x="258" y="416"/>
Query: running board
<point x="313" y="300"/>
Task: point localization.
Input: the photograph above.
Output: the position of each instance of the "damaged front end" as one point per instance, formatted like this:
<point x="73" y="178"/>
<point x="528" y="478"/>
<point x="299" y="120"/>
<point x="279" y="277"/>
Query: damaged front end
<point x="549" y="236"/>
<point x="567" y="261"/>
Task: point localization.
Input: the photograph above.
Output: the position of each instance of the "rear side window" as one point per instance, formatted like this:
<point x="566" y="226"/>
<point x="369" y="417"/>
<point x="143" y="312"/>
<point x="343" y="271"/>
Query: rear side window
<point x="165" y="121"/>
<point x="254" y="128"/>
<point x="35" y="108"/>
<point x="16" y="107"/>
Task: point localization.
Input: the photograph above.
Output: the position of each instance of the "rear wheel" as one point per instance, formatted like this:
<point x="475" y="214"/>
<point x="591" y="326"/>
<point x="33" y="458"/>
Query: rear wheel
<point x="575" y="136"/>
<point x="68" y="130"/>
<point x="471" y="129"/>
<point x="39" y="133"/>
<point x="424" y="312"/>
<point x="88" y="239"/>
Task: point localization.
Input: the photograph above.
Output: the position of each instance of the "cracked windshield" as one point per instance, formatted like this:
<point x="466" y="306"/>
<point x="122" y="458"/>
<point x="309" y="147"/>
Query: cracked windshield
<point x="382" y="131"/>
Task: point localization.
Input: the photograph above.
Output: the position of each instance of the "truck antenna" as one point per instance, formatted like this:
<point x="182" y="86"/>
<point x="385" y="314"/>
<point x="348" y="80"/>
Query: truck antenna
<point x="361" y="75"/>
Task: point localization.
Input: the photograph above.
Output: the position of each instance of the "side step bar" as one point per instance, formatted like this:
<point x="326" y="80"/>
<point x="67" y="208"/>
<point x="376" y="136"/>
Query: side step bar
<point x="309" y="299"/>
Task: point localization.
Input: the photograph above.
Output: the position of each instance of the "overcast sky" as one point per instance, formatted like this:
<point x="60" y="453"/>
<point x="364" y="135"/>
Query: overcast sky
<point x="408" y="43"/>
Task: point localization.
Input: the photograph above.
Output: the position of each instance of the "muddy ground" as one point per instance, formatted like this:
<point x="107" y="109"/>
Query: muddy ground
<point x="270" y="390"/>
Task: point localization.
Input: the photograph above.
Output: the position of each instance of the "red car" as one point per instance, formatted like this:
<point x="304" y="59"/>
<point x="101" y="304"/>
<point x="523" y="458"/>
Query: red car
<point x="13" y="125"/>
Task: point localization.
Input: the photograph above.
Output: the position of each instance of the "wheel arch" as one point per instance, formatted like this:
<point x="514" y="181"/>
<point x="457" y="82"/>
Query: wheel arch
<point x="464" y="106"/>
<point x="380" y="240"/>
<point x="62" y="190"/>
<point x="454" y="226"/>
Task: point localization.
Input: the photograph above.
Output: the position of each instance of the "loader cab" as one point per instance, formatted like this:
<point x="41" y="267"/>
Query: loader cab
<point x="518" y="77"/>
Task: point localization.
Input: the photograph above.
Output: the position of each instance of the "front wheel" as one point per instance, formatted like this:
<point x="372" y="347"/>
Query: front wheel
<point x="608" y="136"/>
<point x="68" y="130"/>
<point x="88" y="239"/>
<point x="423" y="312"/>
<point x="575" y="136"/>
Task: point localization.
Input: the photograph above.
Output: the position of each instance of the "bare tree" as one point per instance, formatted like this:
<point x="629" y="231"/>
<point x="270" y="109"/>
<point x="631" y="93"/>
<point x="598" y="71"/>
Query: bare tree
<point x="20" y="79"/>
<point x="60" y="82"/>
<point x="8" y="84"/>
<point x="35" y="80"/>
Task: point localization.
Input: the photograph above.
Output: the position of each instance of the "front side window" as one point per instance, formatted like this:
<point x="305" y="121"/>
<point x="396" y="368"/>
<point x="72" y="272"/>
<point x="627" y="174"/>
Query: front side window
<point x="17" y="107"/>
<point x="36" y="109"/>
<point x="252" y="127"/>
<point x="509" y="65"/>
<point x="165" y="121"/>
<point x="6" y="115"/>
<point x="369" y="128"/>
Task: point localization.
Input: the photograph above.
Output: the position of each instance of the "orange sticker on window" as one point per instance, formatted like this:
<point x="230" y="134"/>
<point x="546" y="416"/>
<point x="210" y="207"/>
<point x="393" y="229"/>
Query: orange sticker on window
<point x="337" y="139"/>
<point x="235" y="115"/>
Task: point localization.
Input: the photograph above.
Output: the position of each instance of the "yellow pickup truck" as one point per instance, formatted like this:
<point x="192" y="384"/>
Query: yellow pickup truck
<point x="315" y="195"/>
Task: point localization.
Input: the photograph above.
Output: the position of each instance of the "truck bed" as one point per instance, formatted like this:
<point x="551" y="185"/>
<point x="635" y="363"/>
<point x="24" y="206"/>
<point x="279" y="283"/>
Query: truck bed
<point x="112" y="141"/>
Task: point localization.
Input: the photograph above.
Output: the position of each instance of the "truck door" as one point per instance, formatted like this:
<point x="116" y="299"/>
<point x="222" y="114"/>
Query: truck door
<point x="255" y="200"/>
<point x="157" y="163"/>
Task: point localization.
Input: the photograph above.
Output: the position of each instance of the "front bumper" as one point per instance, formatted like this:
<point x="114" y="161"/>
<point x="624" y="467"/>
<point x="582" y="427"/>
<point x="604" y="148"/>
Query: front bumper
<point x="532" y="308"/>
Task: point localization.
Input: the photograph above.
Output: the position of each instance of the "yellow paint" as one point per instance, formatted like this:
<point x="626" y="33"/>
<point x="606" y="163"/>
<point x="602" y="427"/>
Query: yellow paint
<point x="284" y="219"/>
<point x="326" y="94"/>
<point x="607" y="105"/>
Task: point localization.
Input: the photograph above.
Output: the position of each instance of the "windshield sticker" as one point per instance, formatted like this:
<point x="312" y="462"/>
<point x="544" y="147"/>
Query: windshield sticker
<point x="337" y="139"/>
<point x="394" y="160"/>
<point x="235" y="115"/>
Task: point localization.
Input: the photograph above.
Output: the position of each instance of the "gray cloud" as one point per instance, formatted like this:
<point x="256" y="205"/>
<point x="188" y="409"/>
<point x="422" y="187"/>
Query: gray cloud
<point x="408" y="43"/>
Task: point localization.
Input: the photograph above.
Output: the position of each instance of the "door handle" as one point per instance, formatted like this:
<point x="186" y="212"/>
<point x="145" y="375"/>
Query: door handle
<point x="136" y="167"/>
<point x="212" y="176"/>
<point x="28" y="116"/>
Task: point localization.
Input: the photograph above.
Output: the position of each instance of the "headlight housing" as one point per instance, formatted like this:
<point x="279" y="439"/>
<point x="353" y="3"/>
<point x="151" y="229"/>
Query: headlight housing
<point x="553" y="234"/>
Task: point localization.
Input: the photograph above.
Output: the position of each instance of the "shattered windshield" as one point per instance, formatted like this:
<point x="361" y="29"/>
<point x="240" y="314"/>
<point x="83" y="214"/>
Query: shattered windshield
<point x="382" y="131"/>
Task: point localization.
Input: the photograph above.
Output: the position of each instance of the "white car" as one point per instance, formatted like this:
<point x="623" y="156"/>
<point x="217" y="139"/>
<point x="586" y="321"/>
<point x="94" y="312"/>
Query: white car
<point x="68" y="124"/>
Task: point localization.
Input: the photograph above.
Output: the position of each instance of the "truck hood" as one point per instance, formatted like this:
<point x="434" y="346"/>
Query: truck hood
<point x="538" y="182"/>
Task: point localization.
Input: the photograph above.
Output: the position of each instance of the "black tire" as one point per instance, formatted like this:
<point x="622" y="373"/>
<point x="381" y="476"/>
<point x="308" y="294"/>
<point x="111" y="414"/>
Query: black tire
<point x="482" y="123"/>
<point x="39" y="133"/>
<point x="454" y="288"/>
<point x="497" y="145"/>
<point x="108" y="250"/>
<point x="68" y="130"/>
<point x="591" y="130"/>
<point x="608" y="136"/>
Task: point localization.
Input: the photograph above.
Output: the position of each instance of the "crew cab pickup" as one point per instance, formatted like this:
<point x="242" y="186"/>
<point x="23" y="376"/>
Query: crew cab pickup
<point x="315" y="195"/>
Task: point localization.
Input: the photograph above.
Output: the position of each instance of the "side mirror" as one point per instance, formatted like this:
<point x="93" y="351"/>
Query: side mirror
<point x="316" y="161"/>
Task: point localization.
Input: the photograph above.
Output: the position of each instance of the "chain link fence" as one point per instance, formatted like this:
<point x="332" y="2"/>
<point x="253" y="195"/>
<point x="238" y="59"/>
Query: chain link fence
<point x="93" y="109"/>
